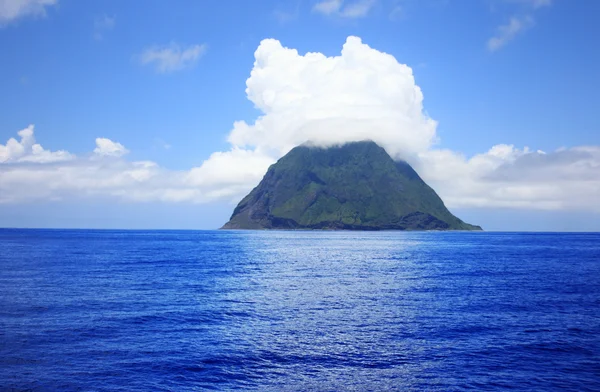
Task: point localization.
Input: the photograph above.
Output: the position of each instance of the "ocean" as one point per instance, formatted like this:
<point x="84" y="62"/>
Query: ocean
<point x="103" y="310"/>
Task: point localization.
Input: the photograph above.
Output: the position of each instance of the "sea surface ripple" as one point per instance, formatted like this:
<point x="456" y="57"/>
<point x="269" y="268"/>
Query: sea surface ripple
<point x="85" y="310"/>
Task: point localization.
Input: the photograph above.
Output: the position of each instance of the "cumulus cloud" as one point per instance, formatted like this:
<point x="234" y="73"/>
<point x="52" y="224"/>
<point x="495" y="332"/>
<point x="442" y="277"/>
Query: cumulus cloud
<point x="172" y="57"/>
<point x="356" y="9"/>
<point x="230" y="174"/>
<point x="28" y="172"/>
<point x="11" y="10"/>
<point x="360" y="94"/>
<point x="27" y="150"/>
<point x="85" y="177"/>
<point x="333" y="100"/>
<point x="106" y="147"/>
<point x="366" y="94"/>
<point x="504" y="176"/>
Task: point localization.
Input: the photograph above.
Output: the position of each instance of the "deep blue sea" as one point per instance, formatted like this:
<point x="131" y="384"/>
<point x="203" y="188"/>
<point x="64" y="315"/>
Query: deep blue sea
<point x="84" y="310"/>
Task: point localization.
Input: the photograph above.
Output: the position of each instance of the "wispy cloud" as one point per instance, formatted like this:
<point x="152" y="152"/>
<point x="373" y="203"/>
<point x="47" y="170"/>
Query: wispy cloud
<point x="517" y="23"/>
<point x="328" y="7"/>
<point x="160" y="143"/>
<point x="102" y="25"/>
<point x="356" y="9"/>
<point x="396" y="13"/>
<point x="535" y="4"/>
<point x="285" y="15"/>
<point x="509" y="31"/>
<point x="11" y="10"/>
<point x="172" y="57"/>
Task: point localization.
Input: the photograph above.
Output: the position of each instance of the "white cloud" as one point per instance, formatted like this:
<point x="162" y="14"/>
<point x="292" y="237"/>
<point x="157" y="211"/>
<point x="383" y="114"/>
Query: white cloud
<point x="356" y="9"/>
<point x="332" y="100"/>
<point x="106" y="147"/>
<point x="230" y="174"/>
<point x="360" y="94"/>
<point x="30" y="173"/>
<point x="286" y="14"/>
<point x="396" y="13"/>
<point x="566" y="179"/>
<point x="540" y="3"/>
<point x="160" y="143"/>
<point x="283" y="16"/>
<point x="366" y="94"/>
<point x="509" y="31"/>
<point x="534" y="4"/>
<point x="517" y="23"/>
<point x="328" y="7"/>
<point x="11" y="10"/>
<point x="27" y="150"/>
<point x="172" y="57"/>
<point x="102" y="25"/>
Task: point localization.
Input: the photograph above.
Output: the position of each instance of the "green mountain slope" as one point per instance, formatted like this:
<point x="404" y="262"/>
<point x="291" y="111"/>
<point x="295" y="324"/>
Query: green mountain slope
<point x="357" y="186"/>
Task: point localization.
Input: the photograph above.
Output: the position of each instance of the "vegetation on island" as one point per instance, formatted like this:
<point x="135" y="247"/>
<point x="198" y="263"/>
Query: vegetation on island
<point x="356" y="186"/>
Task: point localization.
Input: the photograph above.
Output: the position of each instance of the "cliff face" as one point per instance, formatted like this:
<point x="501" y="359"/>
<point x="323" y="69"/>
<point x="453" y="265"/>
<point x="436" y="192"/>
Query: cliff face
<point x="357" y="186"/>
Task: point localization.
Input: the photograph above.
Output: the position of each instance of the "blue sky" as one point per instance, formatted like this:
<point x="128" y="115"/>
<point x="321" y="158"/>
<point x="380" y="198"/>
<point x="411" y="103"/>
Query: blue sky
<point x="164" y="84"/>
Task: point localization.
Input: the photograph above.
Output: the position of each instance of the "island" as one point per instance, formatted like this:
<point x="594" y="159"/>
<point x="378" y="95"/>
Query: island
<point x="355" y="186"/>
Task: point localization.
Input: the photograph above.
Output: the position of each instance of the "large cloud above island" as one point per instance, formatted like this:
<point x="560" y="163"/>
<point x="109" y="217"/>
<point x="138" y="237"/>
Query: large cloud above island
<point x="361" y="94"/>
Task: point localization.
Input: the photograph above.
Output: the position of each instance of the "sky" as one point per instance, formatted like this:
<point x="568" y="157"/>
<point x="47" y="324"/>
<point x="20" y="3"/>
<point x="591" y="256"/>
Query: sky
<point x="164" y="116"/>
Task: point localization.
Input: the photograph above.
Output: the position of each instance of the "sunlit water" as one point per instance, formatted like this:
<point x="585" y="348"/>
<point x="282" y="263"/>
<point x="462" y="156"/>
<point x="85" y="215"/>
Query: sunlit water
<point x="324" y="311"/>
